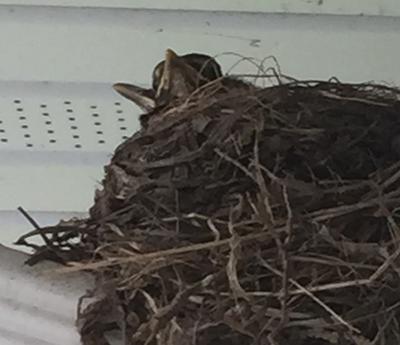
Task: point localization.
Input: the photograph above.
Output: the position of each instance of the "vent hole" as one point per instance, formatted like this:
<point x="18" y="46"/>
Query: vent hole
<point x="117" y="103"/>
<point x="74" y="127"/>
<point x="124" y="137"/>
<point x="17" y="101"/>
<point x="52" y="141"/>
<point x="43" y="106"/>
<point x="97" y="123"/>
<point x="121" y="119"/>
<point x="95" y="115"/>
<point x="27" y="135"/>
<point x="22" y="118"/>
<point x="101" y="141"/>
<point x="29" y="145"/>
<point x="45" y="114"/>
<point x="50" y="131"/>
<point x="24" y="126"/>
<point x="119" y="111"/>
<point x="78" y="146"/>
<point x="2" y="130"/>
<point x="76" y="136"/>
<point x="99" y="132"/>
<point x="122" y="128"/>
<point x="93" y="107"/>
<point x="4" y="140"/>
<point x="71" y="118"/>
<point x="70" y="111"/>
<point x="20" y="109"/>
<point x="67" y="102"/>
<point x="48" y="122"/>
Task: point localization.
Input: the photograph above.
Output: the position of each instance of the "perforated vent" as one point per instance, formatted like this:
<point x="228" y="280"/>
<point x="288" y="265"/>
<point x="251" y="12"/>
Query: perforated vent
<point x="98" y="122"/>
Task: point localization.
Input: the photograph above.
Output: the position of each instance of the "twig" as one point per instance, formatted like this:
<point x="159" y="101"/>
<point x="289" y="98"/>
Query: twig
<point x="319" y="288"/>
<point x="382" y="329"/>
<point x="36" y="226"/>
<point x="313" y="297"/>
<point x="352" y="99"/>
<point x="231" y="266"/>
<point x="113" y="261"/>
<point x="326" y="214"/>
<point x="389" y="261"/>
<point x="263" y="195"/>
<point x="236" y="163"/>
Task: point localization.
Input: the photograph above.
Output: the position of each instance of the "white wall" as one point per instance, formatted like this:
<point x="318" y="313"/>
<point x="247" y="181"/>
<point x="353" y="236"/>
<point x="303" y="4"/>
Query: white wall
<point x="104" y="45"/>
<point x="342" y="7"/>
<point x="51" y="54"/>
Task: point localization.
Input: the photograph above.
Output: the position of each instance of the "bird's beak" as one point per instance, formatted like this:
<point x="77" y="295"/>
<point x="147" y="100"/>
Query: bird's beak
<point x="143" y="98"/>
<point x="171" y="59"/>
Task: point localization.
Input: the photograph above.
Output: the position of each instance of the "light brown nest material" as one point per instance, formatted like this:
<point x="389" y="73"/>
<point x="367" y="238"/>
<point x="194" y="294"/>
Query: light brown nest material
<point x="247" y="216"/>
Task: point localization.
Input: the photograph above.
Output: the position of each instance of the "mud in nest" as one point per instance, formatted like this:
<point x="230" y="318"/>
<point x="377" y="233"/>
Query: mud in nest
<point x="247" y="215"/>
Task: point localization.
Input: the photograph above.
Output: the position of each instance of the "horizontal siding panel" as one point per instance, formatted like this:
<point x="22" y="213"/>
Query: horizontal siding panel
<point x="343" y="7"/>
<point x="105" y="46"/>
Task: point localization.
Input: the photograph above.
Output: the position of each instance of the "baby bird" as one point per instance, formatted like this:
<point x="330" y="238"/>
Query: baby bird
<point x="174" y="77"/>
<point x="189" y="71"/>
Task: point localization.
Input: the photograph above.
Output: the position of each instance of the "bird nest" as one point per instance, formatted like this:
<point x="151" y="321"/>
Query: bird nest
<point x="247" y="216"/>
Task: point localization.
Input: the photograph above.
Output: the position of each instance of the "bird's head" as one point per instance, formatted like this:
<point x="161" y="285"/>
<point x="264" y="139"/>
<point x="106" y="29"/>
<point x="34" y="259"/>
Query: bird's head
<point x="174" y="77"/>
